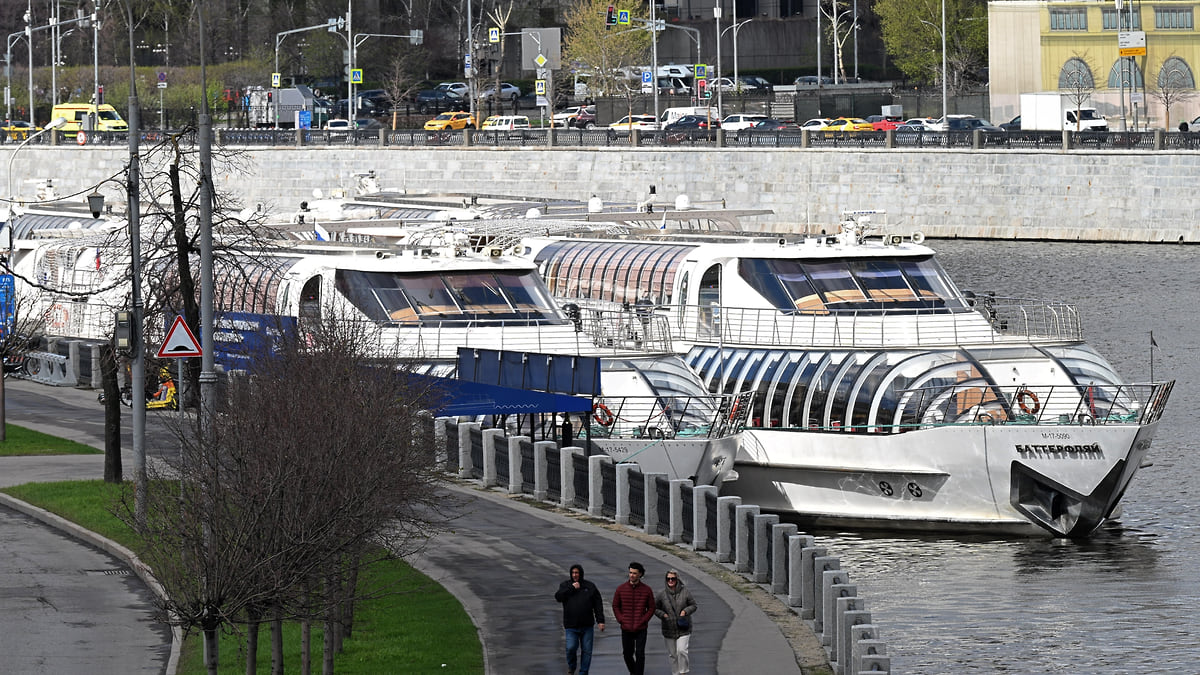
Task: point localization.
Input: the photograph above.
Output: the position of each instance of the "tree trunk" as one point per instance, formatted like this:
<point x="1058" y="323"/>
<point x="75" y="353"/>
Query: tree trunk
<point x="329" y="647"/>
<point x="349" y="592"/>
<point x="306" y="647"/>
<point x="252" y="624"/>
<point x="112" y="415"/>
<point x="212" y="648"/>
<point x="277" y="643"/>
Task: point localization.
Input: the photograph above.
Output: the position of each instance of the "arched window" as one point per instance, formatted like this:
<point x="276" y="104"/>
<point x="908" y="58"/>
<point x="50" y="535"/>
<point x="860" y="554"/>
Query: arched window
<point x="1075" y="75"/>
<point x="1175" y="75"/>
<point x="1124" y="70"/>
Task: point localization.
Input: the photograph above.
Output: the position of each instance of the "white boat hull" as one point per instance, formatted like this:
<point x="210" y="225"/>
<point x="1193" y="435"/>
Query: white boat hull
<point x="704" y="461"/>
<point x="1010" y="479"/>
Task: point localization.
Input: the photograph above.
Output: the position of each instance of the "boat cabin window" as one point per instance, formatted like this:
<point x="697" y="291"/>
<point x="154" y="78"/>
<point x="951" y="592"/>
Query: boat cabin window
<point x="823" y="286"/>
<point x="611" y="271"/>
<point x="432" y="297"/>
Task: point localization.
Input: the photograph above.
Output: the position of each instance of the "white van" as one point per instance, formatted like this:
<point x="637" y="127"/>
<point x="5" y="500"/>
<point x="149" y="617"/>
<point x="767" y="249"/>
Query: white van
<point x="671" y="114"/>
<point x="506" y="123"/>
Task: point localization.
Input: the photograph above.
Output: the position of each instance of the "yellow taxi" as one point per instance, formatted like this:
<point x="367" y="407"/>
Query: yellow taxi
<point x="451" y="120"/>
<point x="18" y="130"/>
<point x="847" y="124"/>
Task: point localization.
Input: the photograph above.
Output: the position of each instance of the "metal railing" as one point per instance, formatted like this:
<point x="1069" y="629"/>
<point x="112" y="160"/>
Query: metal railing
<point x="994" y="321"/>
<point x="659" y="417"/>
<point x="602" y="137"/>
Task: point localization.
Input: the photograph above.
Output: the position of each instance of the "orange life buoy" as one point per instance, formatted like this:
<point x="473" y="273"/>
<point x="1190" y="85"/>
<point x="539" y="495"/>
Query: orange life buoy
<point x="733" y="411"/>
<point x="603" y="416"/>
<point x="1026" y="407"/>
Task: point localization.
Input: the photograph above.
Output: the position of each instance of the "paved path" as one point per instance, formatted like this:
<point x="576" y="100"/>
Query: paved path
<point x="67" y="607"/>
<point x="503" y="558"/>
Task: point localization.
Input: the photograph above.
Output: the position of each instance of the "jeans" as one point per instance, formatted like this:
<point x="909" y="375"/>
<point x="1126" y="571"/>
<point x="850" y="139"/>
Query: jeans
<point x="633" y="648"/>
<point x="579" y="639"/>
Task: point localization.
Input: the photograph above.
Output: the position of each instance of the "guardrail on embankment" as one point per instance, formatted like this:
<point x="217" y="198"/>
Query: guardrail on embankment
<point x="788" y="564"/>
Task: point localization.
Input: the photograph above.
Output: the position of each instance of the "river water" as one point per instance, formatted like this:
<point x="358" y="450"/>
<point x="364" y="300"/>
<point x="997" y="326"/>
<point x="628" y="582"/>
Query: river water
<point x="1123" y="601"/>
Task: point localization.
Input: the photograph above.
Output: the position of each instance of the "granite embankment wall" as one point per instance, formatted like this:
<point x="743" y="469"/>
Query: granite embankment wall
<point x="1005" y="194"/>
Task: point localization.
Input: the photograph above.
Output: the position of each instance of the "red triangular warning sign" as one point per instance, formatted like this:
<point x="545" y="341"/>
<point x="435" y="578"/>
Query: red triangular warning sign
<point x="180" y="342"/>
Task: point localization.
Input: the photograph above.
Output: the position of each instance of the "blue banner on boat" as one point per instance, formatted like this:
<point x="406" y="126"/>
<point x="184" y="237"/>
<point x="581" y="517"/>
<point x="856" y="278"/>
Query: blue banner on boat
<point x="465" y="398"/>
<point x="563" y="373"/>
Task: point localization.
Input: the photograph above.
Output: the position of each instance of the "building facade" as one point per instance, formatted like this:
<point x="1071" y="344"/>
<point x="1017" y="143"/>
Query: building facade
<point x="1047" y="46"/>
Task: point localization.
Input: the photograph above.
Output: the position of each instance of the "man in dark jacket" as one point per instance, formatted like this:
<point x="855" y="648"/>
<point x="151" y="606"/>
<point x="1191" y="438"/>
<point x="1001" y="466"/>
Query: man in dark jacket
<point x="633" y="605"/>
<point x="582" y="606"/>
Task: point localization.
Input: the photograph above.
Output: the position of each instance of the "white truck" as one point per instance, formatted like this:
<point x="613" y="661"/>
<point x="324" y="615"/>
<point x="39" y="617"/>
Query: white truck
<point x="263" y="105"/>
<point x="1058" y="111"/>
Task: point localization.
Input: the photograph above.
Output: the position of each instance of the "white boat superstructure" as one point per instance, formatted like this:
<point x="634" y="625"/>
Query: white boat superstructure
<point x="423" y="304"/>
<point x="883" y="395"/>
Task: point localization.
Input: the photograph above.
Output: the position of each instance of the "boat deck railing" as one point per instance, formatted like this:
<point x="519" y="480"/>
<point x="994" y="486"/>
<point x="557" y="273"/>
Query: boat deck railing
<point x="1030" y="404"/>
<point x="586" y="332"/>
<point x="677" y="417"/>
<point x="996" y="321"/>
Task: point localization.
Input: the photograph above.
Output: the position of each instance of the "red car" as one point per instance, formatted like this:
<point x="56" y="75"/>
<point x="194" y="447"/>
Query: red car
<point x="884" y="123"/>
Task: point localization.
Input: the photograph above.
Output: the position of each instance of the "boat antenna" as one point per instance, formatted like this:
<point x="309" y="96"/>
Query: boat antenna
<point x="1153" y="344"/>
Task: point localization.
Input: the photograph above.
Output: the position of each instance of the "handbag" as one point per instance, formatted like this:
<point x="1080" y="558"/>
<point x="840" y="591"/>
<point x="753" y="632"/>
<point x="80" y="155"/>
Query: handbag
<point x="683" y="623"/>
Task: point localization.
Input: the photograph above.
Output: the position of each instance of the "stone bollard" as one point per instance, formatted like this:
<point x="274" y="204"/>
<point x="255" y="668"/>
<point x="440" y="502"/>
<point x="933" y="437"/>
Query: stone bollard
<point x="675" y="526"/>
<point x="440" y="455"/>
<point x="1066" y="139"/>
<point x="851" y="612"/>
<point x="490" y="438"/>
<point x="780" y="551"/>
<point x="650" y="504"/>
<point x="795" y="562"/>
<point x="875" y="664"/>
<point x="623" y="471"/>
<point x="596" y="484"/>
<point x="865" y="642"/>
<point x="840" y="587"/>
<point x="516" y="481"/>
<point x="743" y="536"/>
<point x="889" y="139"/>
<point x="541" y="469"/>
<point x="700" y="517"/>
<point x="761" y="565"/>
<point x="810" y="576"/>
<point x="566" y="475"/>
<point x="1160" y="139"/>
<point x="726" y="527"/>
<point x="466" y="466"/>
<point x="827" y="571"/>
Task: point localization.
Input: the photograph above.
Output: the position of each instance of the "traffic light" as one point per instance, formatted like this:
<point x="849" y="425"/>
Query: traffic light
<point x="270" y="95"/>
<point x="100" y="95"/>
<point x="702" y="90"/>
<point x="612" y="17"/>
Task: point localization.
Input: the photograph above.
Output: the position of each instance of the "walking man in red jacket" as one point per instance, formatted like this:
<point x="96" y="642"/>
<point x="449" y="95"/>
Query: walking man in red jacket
<point x="633" y="605"/>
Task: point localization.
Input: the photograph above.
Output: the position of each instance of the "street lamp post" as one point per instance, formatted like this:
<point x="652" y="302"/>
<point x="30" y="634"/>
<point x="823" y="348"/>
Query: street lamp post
<point x="942" y="30"/>
<point x="717" y="81"/>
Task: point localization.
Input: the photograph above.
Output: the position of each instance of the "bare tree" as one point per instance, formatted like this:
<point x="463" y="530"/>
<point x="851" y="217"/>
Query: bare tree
<point x="1175" y="85"/>
<point x="291" y="494"/>
<point x="1077" y="83"/>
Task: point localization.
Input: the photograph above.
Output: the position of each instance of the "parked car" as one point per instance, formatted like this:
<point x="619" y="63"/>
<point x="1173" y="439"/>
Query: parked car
<point x="884" y="122"/>
<point x="19" y="130"/>
<point x="811" y="80"/>
<point x="753" y="84"/>
<point x="741" y="121"/>
<point x="506" y="123"/>
<point x="816" y="123"/>
<point x="847" y="125"/>
<point x="451" y="120"/>
<point x="579" y="117"/>
<point x="460" y="88"/>
<point x="1012" y="125"/>
<point x="921" y="122"/>
<point x="508" y="92"/>
<point x="776" y="125"/>
<point x="692" y="122"/>
<point x="641" y="122"/>
<point x="437" y="100"/>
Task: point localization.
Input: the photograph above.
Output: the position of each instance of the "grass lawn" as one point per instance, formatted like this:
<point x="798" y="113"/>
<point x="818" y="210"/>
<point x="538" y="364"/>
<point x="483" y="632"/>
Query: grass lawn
<point x="22" y="441"/>
<point x="419" y="628"/>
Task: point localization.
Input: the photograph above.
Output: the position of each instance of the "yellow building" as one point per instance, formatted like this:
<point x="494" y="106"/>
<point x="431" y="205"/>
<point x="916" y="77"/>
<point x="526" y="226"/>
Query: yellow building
<point x="1045" y="46"/>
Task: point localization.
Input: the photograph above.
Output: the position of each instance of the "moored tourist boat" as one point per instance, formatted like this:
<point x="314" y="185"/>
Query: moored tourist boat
<point x="423" y="304"/>
<point x="884" y="395"/>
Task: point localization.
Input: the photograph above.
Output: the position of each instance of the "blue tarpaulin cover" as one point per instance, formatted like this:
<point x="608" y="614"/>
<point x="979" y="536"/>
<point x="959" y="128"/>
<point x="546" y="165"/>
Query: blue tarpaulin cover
<point x="476" y="398"/>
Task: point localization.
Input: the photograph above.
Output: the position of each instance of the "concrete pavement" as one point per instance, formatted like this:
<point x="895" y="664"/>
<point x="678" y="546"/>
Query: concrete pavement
<point x="502" y="557"/>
